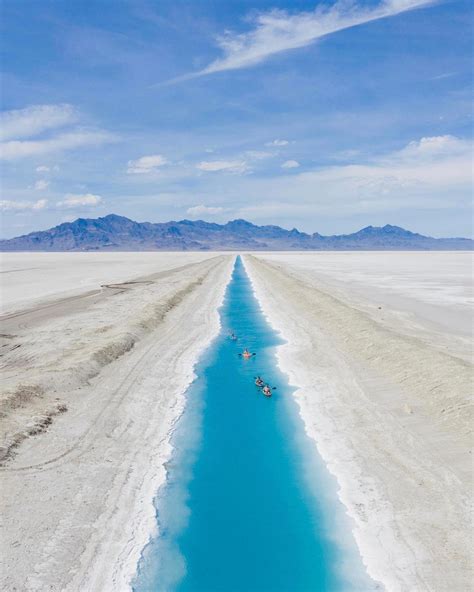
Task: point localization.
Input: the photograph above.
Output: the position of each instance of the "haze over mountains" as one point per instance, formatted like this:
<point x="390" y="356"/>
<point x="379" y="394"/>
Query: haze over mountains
<point x="117" y="233"/>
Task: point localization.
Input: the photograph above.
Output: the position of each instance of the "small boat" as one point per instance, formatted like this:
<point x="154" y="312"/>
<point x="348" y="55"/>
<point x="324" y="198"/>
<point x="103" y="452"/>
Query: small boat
<point x="267" y="391"/>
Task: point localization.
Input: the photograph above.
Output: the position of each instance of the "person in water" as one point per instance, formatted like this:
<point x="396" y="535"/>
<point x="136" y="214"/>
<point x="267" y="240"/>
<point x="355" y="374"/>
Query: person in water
<point x="233" y="336"/>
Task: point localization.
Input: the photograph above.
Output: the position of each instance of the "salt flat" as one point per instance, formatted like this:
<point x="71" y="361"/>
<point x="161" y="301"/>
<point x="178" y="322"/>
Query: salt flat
<point x="28" y="278"/>
<point x="98" y="349"/>
<point x="378" y="346"/>
<point x="92" y="384"/>
<point x="431" y="291"/>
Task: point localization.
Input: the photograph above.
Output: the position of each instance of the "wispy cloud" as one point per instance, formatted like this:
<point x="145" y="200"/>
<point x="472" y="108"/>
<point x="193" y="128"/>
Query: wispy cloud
<point x="433" y="148"/>
<point x="422" y="169"/>
<point x="290" y="164"/>
<point x="258" y="154"/>
<point x="21" y="127"/>
<point x="82" y="200"/>
<point x="65" y="141"/>
<point x="7" y="205"/>
<point x="41" y="185"/>
<point x="71" y="201"/>
<point x="146" y="164"/>
<point x="277" y="31"/>
<point x="277" y="143"/>
<point x="33" y="120"/>
<point x="238" y="164"/>
<point x="443" y="76"/>
<point x="202" y="210"/>
<point x="232" y="166"/>
<point x="432" y="172"/>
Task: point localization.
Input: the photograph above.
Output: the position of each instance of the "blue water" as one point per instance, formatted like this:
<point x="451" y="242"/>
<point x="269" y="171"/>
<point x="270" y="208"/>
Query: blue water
<point x="248" y="505"/>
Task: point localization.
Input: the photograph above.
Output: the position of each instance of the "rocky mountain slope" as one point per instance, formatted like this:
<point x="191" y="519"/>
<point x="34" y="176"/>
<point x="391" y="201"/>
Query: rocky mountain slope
<point x="117" y="233"/>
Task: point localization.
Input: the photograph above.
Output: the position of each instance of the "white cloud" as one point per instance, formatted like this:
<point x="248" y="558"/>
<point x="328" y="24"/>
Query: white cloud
<point x="42" y="169"/>
<point x="79" y="200"/>
<point x="438" y="178"/>
<point x="40" y="204"/>
<point x="277" y="143"/>
<point x="442" y="76"/>
<point x="290" y="164"/>
<point x="22" y="125"/>
<point x="277" y="31"/>
<point x="7" y="205"/>
<point x="146" y="164"/>
<point x="428" y="173"/>
<point x="233" y="166"/>
<point x="204" y="210"/>
<point x="258" y="154"/>
<point x="433" y="147"/>
<point x="64" y="141"/>
<point x="33" y="120"/>
<point x="41" y="184"/>
<point x="347" y="155"/>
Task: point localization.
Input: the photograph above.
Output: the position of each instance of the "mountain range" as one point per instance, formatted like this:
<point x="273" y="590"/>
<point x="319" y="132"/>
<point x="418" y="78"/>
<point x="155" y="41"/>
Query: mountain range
<point x="117" y="233"/>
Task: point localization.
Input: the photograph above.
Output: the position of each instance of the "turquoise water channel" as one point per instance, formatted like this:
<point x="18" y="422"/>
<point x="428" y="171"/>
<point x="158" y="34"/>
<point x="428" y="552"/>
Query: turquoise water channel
<point x="248" y="505"/>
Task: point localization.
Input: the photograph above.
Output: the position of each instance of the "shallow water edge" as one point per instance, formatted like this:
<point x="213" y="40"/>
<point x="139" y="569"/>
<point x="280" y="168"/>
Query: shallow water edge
<point x="305" y="517"/>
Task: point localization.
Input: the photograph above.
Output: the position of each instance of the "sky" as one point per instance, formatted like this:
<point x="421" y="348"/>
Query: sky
<point x="327" y="117"/>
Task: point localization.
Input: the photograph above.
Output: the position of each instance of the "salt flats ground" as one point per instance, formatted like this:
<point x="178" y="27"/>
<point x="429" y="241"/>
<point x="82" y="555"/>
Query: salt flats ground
<point x="28" y="278"/>
<point x="92" y="385"/>
<point x="379" y="345"/>
<point x="98" y="349"/>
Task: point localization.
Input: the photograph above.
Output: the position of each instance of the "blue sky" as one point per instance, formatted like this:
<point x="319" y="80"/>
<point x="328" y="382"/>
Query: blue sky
<point x="323" y="116"/>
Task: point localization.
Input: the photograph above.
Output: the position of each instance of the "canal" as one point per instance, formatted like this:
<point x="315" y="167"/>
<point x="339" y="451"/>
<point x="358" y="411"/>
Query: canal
<point x="248" y="505"/>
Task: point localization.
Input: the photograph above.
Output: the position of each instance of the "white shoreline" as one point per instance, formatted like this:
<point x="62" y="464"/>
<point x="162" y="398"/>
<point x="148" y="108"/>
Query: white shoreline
<point x="100" y="464"/>
<point x="394" y="551"/>
<point x="148" y="527"/>
<point x="143" y="523"/>
<point x="287" y="357"/>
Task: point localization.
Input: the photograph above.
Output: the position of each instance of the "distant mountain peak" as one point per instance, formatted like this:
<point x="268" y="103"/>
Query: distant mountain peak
<point x="115" y="217"/>
<point x="118" y="233"/>
<point x="240" y="222"/>
<point x="391" y="228"/>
